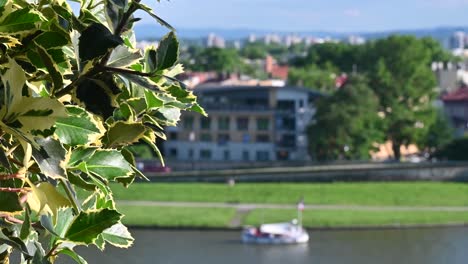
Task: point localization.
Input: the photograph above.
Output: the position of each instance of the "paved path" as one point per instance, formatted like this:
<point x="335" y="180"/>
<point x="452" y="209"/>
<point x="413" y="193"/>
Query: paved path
<point x="245" y="208"/>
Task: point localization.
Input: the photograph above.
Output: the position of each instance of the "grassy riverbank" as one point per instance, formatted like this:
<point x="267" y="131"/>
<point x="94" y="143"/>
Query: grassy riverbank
<point x="377" y="195"/>
<point x="220" y="217"/>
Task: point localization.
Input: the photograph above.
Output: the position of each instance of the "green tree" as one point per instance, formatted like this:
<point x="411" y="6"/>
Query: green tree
<point x="74" y="94"/>
<point x="319" y="79"/>
<point x="404" y="83"/>
<point x="439" y="134"/>
<point x="217" y="59"/>
<point x="253" y="51"/>
<point x="347" y="123"/>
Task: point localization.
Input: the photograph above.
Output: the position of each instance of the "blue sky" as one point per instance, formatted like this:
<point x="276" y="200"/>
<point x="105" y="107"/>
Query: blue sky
<point x="310" y="15"/>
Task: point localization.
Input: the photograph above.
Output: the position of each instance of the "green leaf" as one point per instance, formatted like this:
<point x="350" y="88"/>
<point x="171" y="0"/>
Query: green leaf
<point x="95" y="41"/>
<point x="64" y="220"/>
<point x="171" y="114"/>
<point x="122" y="56"/>
<point x="9" y="203"/>
<point x="39" y="255"/>
<point x="107" y="164"/>
<point x="80" y="154"/>
<point x="50" y="157"/>
<point x="142" y="81"/>
<point x="4" y="160"/>
<point x="35" y="113"/>
<point x="97" y="95"/>
<point x="114" y="13"/>
<point x="51" y="39"/>
<point x="73" y="255"/>
<point x="46" y="222"/>
<point x="167" y="53"/>
<point x="26" y="226"/>
<point x="14" y="242"/>
<point x="78" y="128"/>
<point x="20" y="20"/>
<point x="118" y="236"/>
<point x="152" y="101"/>
<point x="152" y="144"/>
<point x="52" y="68"/>
<point x="123" y="133"/>
<point x="45" y="199"/>
<point x="88" y="225"/>
<point x="153" y="15"/>
<point x="14" y="80"/>
<point x="197" y="108"/>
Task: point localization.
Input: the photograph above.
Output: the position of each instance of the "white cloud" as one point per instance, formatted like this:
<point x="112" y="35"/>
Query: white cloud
<point x="352" y="12"/>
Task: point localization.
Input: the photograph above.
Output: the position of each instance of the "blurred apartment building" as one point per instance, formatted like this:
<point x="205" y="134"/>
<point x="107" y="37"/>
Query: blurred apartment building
<point x="214" y="41"/>
<point x="245" y="124"/>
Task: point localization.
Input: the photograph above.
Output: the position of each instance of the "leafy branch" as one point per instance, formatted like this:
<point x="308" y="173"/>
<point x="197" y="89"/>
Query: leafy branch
<point x="68" y="116"/>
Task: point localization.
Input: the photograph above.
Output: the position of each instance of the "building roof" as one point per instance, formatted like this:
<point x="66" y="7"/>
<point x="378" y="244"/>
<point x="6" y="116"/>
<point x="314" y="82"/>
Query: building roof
<point x="460" y="95"/>
<point x="218" y="88"/>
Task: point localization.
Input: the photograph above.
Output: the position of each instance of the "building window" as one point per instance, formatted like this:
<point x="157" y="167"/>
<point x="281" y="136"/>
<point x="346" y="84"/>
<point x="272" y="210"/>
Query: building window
<point x="263" y="138"/>
<point x="223" y="123"/>
<point x="173" y="152"/>
<point x="263" y="155"/>
<point x="205" y="123"/>
<point x="286" y="123"/>
<point x="227" y="155"/>
<point x="190" y="153"/>
<point x="301" y="103"/>
<point x="188" y="122"/>
<point x="245" y="155"/>
<point x="242" y="123"/>
<point x="223" y="139"/>
<point x="173" y="135"/>
<point x="288" y="141"/>
<point x="263" y="124"/>
<point x="245" y="138"/>
<point x="205" y="154"/>
<point x="282" y="155"/>
<point x="205" y="137"/>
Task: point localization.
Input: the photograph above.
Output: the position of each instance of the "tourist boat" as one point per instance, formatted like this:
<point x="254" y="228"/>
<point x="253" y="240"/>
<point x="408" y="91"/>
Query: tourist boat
<point x="278" y="233"/>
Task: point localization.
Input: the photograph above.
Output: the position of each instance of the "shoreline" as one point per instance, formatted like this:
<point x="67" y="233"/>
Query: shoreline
<point x="325" y="228"/>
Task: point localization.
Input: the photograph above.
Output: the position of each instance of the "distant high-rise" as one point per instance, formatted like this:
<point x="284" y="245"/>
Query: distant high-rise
<point x="458" y="40"/>
<point x="215" y="41"/>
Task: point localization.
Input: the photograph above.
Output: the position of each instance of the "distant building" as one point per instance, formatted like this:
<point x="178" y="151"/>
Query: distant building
<point x="355" y="40"/>
<point x="252" y="38"/>
<point x="245" y="123"/>
<point x="456" y="108"/>
<point x="458" y="41"/>
<point x="446" y="75"/>
<point x="214" y="41"/>
<point x="272" y="38"/>
<point x="274" y="70"/>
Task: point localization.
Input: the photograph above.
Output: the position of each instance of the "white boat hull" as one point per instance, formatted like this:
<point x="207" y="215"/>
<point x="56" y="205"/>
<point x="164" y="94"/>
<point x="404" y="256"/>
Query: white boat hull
<point x="295" y="235"/>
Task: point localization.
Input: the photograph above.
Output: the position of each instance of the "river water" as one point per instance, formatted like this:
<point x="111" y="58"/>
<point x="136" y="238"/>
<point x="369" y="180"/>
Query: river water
<point x="392" y="246"/>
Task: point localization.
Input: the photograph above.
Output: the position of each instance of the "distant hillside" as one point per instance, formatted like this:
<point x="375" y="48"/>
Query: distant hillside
<point x="155" y="31"/>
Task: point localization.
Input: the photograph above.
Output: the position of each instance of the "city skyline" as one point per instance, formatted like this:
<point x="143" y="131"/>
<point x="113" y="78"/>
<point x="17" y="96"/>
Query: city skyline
<point x="302" y="15"/>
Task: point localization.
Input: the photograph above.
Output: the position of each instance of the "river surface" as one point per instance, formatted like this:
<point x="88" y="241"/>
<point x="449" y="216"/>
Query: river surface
<point x="392" y="246"/>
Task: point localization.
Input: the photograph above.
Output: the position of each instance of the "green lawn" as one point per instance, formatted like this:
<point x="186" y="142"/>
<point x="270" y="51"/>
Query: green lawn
<point x="220" y="217"/>
<point x="336" y="218"/>
<point x="176" y="216"/>
<point x="385" y="194"/>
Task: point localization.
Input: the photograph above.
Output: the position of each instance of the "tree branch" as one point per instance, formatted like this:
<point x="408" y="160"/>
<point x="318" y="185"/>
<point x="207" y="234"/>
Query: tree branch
<point x="11" y="176"/>
<point x="13" y="190"/>
<point x="126" y="71"/>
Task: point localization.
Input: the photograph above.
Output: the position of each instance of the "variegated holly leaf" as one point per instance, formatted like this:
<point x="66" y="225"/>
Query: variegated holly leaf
<point x="107" y="164"/>
<point x="118" y="236"/>
<point x="124" y="133"/>
<point x="45" y="199"/>
<point x="87" y="226"/>
<point x="78" y="128"/>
